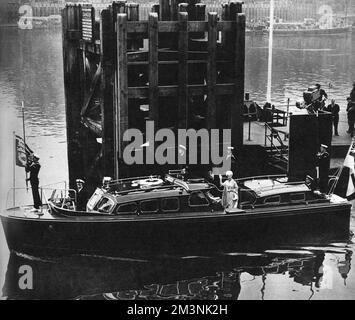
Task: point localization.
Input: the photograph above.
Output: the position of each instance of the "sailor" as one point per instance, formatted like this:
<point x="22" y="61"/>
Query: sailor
<point x="230" y="191"/>
<point x="33" y="167"/>
<point x="334" y="109"/>
<point x="323" y="167"/>
<point x="350" y="109"/>
<point x="352" y="93"/>
<point x="81" y="195"/>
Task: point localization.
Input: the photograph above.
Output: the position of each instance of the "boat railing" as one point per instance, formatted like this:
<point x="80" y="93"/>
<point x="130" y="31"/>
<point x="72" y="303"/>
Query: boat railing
<point x="63" y="197"/>
<point x="25" y="198"/>
<point x="263" y="177"/>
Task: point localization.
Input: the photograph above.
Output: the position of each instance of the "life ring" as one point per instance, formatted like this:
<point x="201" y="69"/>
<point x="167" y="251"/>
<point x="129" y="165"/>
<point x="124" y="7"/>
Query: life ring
<point x="150" y="182"/>
<point x="234" y="195"/>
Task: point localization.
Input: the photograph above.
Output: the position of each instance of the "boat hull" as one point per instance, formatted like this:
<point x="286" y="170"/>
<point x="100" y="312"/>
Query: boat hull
<point x="313" y="32"/>
<point x="211" y="231"/>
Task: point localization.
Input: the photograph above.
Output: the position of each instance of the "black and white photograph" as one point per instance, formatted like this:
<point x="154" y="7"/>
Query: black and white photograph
<point x="188" y="152"/>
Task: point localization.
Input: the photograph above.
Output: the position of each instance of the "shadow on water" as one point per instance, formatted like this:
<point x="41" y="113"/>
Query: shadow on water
<point x="219" y="276"/>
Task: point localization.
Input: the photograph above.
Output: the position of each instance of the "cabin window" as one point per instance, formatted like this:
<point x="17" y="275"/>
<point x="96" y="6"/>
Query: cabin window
<point x="272" y="200"/>
<point x="170" y="205"/>
<point x="129" y="208"/>
<point x="105" y="205"/>
<point x="297" y="197"/>
<point x="149" y="206"/>
<point x="198" y="199"/>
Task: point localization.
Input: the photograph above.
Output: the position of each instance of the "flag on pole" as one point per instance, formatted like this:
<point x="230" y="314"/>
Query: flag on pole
<point x="350" y="163"/>
<point x="22" y="151"/>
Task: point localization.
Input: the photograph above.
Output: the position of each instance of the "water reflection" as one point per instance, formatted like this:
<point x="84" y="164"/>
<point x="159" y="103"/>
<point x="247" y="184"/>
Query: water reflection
<point x="224" y="276"/>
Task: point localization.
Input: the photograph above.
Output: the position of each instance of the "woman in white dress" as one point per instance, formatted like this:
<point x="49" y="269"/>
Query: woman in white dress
<point x="230" y="191"/>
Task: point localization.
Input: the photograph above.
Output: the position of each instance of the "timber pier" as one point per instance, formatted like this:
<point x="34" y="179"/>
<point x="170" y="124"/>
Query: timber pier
<point x="183" y="67"/>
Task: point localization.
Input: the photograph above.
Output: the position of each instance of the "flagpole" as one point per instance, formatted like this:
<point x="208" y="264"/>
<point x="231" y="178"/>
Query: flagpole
<point x="24" y="138"/>
<point x="14" y="167"/>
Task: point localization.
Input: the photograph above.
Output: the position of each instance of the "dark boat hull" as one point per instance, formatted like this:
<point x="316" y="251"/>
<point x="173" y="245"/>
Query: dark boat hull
<point x="313" y="32"/>
<point x="117" y="237"/>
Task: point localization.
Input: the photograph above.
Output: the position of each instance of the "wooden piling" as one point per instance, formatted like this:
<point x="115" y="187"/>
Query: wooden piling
<point x="183" y="71"/>
<point x="211" y="70"/>
<point x="72" y="61"/>
<point x="107" y="90"/>
<point x="153" y="68"/>
<point x="122" y="90"/>
<point x="239" y="71"/>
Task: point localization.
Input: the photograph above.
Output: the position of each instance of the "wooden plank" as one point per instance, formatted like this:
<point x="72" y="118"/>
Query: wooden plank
<point x="211" y="70"/>
<point x="183" y="71"/>
<point x="122" y="89"/>
<point x="107" y="90"/>
<point x="173" y="26"/>
<point x="239" y="65"/>
<point x="173" y="91"/>
<point x="153" y="68"/>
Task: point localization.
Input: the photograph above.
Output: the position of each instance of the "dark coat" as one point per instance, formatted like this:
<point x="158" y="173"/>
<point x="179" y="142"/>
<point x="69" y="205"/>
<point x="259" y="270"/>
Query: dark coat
<point x="334" y="110"/>
<point x="33" y="168"/>
<point x="82" y="198"/>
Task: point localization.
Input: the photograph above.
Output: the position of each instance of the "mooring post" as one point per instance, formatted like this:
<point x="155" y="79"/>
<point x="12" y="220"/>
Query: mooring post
<point x="211" y="70"/>
<point x="122" y="90"/>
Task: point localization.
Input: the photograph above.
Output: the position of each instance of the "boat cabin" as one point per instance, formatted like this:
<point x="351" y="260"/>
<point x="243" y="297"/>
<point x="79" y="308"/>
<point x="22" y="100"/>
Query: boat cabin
<point x="153" y="195"/>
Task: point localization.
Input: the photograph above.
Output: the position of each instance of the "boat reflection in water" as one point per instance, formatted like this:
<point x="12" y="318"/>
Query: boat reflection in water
<point x="223" y="276"/>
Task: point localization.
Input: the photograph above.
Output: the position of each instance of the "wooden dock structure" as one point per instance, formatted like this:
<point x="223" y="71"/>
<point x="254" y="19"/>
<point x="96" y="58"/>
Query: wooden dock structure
<point x="181" y="68"/>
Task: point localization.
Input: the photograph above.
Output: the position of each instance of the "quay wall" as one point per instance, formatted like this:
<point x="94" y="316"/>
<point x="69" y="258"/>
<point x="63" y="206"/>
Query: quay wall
<point x="255" y="10"/>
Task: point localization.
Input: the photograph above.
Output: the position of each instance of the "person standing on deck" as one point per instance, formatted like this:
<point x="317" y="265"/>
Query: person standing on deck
<point x="334" y="109"/>
<point x="351" y="116"/>
<point x="33" y="167"/>
<point x="323" y="168"/>
<point x="352" y="93"/>
<point x="230" y="191"/>
<point x="81" y="195"/>
<point x="319" y="103"/>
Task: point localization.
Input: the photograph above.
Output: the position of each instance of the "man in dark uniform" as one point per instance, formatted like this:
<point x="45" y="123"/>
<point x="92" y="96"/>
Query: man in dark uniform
<point x="81" y="195"/>
<point x="33" y="167"/>
<point x="319" y="102"/>
<point x="350" y="109"/>
<point x="352" y="93"/>
<point x="323" y="168"/>
<point x="334" y="109"/>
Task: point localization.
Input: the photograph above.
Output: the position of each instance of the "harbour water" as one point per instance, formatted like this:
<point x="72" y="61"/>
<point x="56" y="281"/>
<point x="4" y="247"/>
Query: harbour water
<point x="31" y="70"/>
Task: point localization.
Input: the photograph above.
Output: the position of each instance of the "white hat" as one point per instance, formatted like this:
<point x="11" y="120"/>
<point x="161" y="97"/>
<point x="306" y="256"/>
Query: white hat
<point x="229" y="173"/>
<point x="324" y="146"/>
<point x="80" y="181"/>
<point x="35" y="155"/>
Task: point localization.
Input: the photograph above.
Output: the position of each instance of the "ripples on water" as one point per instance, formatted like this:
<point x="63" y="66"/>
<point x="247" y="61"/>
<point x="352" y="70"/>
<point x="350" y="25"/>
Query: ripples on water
<point x="31" y="71"/>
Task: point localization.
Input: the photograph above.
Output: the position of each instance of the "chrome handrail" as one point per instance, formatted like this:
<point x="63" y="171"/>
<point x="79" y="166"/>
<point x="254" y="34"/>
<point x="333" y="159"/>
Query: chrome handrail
<point x="42" y="193"/>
